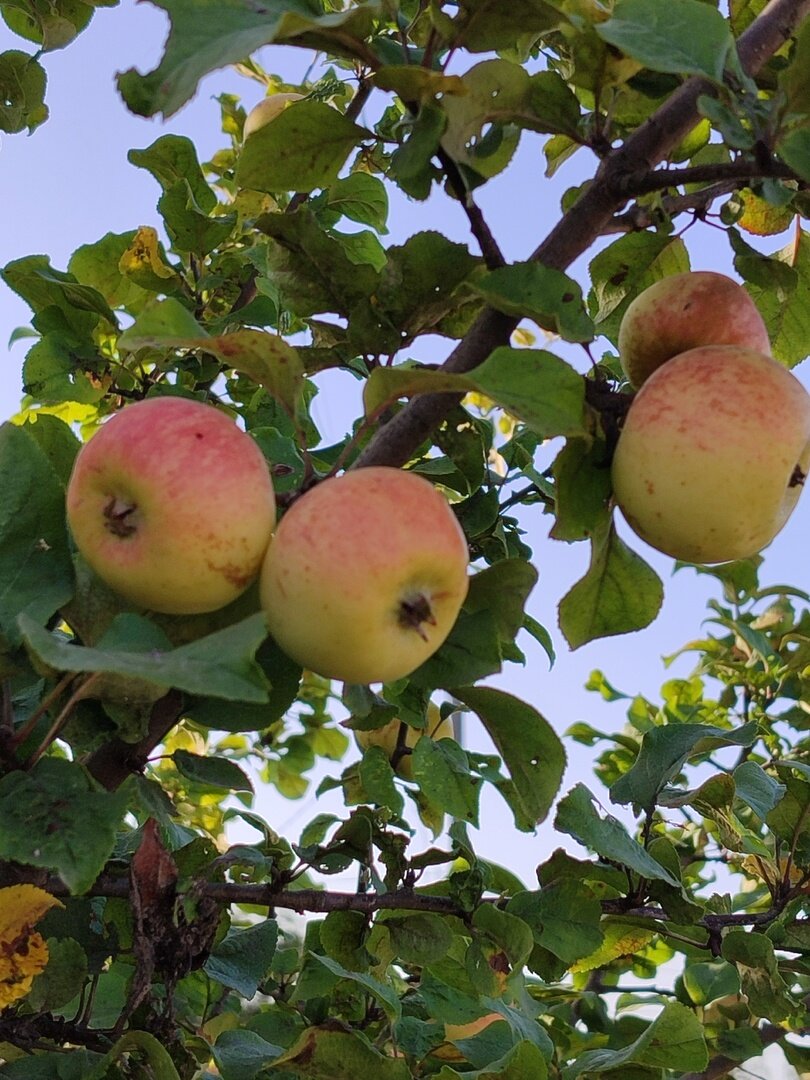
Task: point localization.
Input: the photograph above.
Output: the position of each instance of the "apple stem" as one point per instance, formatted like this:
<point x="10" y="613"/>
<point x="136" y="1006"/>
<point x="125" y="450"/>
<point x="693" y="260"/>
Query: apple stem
<point x="414" y="612"/>
<point x="116" y="513"/>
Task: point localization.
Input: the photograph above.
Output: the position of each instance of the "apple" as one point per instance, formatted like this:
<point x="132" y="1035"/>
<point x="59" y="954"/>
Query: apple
<point x="172" y="505"/>
<point x="687" y="311"/>
<point x="365" y="575"/>
<point x="267" y="109"/>
<point x="713" y="454"/>
<point x="388" y="736"/>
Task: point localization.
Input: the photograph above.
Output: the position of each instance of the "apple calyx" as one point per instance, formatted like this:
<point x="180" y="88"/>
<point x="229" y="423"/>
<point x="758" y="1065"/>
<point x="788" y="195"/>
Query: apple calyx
<point x="116" y="516"/>
<point x="415" y="611"/>
<point x="797" y="477"/>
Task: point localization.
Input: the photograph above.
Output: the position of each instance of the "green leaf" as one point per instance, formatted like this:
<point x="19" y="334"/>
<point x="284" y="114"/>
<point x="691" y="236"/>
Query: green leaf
<point x="794" y="149"/>
<point x="548" y="297"/>
<point x="552" y="104"/>
<point x="755" y="788"/>
<point x="212" y="771"/>
<point x="54" y="371"/>
<point x="188" y="227"/>
<point x="362" y="198"/>
<point x="578" y="817"/>
<point x="682" y="37"/>
<point x="767" y="992"/>
<point x="502" y="590"/>
<point x="242" y="959"/>
<point x="471" y="652"/>
<point x="619" y="594"/>
<point x="412" y="166"/>
<point x="495" y="92"/>
<point x="377" y="779"/>
<point x="664" y="750"/>
<point x="582" y="490"/>
<point x="141" y="1042"/>
<point x="63" y="978"/>
<point x="220" y="665"/>
<point x="522" y="1061"/>
<point x="705" y="982"/>
<point x="626" y="268"/>
<point x="343" y="935"/>
<point x="385" y="995"/>
<point x="508" y="931"/>
<point x="675" y="1040"/>
<point x="230" y="31"/>
<point x="22" y="92"/>
<point x="529" y="746"/>
<point x="54" y="818"/>
<point x="172" y="159"/>
<point x="441" y="770"/>
<point x="330" y="1052"/>
<point x="301" y="149"/>
<point x="53" y="26"/>
<point x="266" y="358"/>
<point x="310" y="268"/>
<point x="241" y="1054"/>
<point x="163" y="324"/>
<point x="56" y="440"/>
<point x="564" y="917"/>
<point x="488" y="25"/>
<point x="36" y="571"/>
<point x="535" y="386"/>
<point x="97" y="265"/>
<point x="40" y="286"/>
<point x="421" y="938"/>
<point x="778" y="286"/>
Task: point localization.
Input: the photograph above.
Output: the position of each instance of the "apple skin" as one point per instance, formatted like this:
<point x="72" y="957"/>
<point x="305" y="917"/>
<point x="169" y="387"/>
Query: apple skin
<point x="387" y="736"/>
<point x="687" y="311"/>
<point x="267" y="109"/>
<point x="365" y="575"/>
<point x="710" y="462"/>
<point x="172" y="505"/>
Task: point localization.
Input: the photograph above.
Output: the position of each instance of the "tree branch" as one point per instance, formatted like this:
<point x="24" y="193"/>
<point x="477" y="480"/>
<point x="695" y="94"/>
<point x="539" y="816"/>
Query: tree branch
<point x="741" y="169"/>
<point x="113" y="762"/>
<point x="576" y="231"/>
<point x="639" y="217"/>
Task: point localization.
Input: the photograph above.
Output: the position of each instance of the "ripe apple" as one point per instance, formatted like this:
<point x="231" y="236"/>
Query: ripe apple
<point x="388" y="735"/>
<point x="267" y="109"/>
<point x="713" y="454"/>
<point x="687" y="311"/>
<point x="172" y="505"/>
<point x="365" y="575"/>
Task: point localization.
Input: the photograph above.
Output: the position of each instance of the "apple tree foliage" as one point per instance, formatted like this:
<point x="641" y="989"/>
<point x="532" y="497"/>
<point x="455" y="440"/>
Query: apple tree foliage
<point x="134" y="941"/>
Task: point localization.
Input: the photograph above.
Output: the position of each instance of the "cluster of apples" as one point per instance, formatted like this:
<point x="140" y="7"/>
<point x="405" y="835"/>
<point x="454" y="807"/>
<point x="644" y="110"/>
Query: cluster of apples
<point x="172" y="505"/>
<point x="715" y="447"/>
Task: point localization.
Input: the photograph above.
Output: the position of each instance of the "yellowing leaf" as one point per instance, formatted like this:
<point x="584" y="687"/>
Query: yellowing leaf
<point x="23" y="953"/>
<point x="620" y="940"/>
<point x="143" y="262"/>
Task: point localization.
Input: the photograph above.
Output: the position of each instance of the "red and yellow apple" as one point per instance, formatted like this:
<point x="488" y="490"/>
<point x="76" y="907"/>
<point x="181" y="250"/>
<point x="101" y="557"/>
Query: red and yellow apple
<point x="268" y="109"/>
<point x="388" y="736"/>
<point x="687" y="311"/>
<point x="713" y="454"/>
<point x="172" y="505"/>
<point x="365" y="575"/>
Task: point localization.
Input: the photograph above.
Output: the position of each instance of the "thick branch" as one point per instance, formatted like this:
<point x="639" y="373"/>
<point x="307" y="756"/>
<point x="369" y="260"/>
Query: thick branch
<point x="587" y="219"/>
<point x="113" y="762"/>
